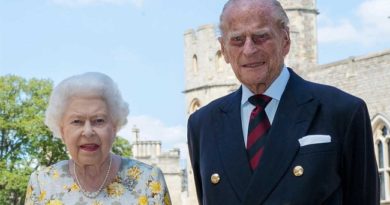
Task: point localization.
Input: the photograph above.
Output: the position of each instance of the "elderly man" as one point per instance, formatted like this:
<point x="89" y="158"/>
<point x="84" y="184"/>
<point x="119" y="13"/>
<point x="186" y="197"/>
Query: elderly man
<point x="278" y="139"/>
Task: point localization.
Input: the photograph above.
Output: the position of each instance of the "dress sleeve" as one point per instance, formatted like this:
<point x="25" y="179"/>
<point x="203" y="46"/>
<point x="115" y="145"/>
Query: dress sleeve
<point x="33" y="190"/>
<point x="159" y="187"/>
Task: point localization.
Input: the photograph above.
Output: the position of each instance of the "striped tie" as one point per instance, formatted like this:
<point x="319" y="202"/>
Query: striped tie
<point x="258" y="129"/>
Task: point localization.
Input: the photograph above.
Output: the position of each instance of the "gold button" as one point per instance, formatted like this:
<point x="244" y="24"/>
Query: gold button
<point x="215" y="178"/>
<point x="298" y="171"/>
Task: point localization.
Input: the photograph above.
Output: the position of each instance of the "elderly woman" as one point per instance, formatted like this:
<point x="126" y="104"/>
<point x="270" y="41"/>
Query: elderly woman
<point x="86" y="111"/>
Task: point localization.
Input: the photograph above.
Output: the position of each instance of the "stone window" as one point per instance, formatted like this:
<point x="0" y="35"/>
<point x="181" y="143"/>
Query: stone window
<point x="381" y="133"/>
<point x="380" y="154"/>
<point x="219" y="61"/>
<point x="382" y="185"/>
<point x="195" y="64"/>
<point x="385" y="130"/>
<point x="194" y="106"/>
<point x="388" y="150"/>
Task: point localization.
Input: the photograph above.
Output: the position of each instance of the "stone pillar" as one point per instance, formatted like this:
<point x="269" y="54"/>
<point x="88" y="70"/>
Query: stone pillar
<point x="303" y="34"/>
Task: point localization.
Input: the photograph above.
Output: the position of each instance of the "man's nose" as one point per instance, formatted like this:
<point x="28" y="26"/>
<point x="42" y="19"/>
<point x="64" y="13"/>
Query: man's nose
<point x="249" y="47"/>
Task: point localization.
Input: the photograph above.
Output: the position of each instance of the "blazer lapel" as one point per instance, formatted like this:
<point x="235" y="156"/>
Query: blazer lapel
<point x="231" y="144"/>
<point x="293" y="117"/>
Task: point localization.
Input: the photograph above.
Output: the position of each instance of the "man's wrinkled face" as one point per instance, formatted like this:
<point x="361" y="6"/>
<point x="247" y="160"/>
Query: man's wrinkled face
<point x="254" y="44"/>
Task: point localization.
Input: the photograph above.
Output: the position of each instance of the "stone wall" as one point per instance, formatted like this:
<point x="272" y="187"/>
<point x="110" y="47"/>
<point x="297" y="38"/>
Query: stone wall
<point x="367" y="77"/>
<point x="207" y="74"/>
<point x="149" y="152"/>
<point x="303" y="33"/>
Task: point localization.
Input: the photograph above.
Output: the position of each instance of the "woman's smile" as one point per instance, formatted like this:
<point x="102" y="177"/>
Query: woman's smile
<point x="89" y="147"/>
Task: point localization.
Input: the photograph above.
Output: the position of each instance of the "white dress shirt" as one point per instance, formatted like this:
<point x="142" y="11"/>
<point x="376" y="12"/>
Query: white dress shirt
<point x="275" y="91"/>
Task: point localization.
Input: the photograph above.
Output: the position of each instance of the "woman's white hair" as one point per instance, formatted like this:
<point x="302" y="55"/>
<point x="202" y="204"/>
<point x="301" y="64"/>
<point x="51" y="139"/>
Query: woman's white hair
<point x="91" y="84"/>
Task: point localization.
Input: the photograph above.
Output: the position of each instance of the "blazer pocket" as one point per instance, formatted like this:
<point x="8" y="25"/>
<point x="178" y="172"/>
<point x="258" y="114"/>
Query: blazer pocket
<point x="318" y="148"/>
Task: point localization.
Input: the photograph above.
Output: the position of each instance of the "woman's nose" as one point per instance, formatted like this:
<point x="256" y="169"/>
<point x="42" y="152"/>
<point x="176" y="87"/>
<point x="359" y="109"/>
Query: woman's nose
<point x="88" y="129"/>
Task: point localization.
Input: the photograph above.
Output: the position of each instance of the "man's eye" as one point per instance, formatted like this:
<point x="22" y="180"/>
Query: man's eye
<point x="259" y="38"/>
<point x="100" y="120"/>
<point x="239" y="40"/>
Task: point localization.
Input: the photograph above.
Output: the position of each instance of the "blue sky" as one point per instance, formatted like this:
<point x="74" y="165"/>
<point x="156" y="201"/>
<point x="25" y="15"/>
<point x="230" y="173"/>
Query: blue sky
<point x="139" y="43"/>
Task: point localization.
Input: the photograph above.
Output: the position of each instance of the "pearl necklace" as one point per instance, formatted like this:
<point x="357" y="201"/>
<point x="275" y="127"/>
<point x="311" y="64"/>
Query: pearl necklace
<point x="94" y="194"/>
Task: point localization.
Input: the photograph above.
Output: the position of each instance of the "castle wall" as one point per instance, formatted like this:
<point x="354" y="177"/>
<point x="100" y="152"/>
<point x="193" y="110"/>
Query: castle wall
<point x="303" y="34"/>
<point x="207" y="74"/>
<point x="211" y="67"/>
<point x="149" y="152"/>
<point x="367" y="77"/>
<point x="169" y="162"/>
<point x="204" y="96"/>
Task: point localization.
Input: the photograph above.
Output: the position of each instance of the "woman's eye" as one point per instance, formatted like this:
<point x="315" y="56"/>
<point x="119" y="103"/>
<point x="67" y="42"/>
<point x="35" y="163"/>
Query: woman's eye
<point x="76" y="122"/>
<point x="100" y="121"/>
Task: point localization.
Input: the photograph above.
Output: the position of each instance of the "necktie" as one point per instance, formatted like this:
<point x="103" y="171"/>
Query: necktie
<point x="258" y="128"/>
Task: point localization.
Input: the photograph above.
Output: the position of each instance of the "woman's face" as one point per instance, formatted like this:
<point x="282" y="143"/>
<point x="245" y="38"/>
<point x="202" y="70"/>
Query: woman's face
<point x="87" y="130"/>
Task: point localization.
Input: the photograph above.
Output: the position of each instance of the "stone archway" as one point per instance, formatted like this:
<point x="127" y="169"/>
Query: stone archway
<point x="381" y="132"/>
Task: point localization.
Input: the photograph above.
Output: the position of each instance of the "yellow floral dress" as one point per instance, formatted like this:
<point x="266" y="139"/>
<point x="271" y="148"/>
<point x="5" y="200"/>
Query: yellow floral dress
<point x="136" y="183"/>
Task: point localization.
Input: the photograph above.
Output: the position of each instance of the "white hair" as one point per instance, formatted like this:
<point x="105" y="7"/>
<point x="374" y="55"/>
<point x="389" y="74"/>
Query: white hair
<point x="91" y="84"/>
<point x="278" y="13"/>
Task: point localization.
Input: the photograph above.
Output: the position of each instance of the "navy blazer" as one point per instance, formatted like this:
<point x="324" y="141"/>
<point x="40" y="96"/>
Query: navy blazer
<point x="343" y="171"/>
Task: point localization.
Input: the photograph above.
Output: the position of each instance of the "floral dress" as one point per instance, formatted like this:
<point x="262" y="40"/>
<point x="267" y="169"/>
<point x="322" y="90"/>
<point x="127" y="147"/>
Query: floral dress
<point x="136" y="183"/>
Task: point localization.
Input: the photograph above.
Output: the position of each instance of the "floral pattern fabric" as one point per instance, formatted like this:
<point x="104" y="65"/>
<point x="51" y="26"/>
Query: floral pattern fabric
<point x="136" y="183"/>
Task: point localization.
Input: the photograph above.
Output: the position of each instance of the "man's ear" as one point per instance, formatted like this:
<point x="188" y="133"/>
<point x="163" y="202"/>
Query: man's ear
<point x="223" y="51"/>
<point x="286" y="41"/>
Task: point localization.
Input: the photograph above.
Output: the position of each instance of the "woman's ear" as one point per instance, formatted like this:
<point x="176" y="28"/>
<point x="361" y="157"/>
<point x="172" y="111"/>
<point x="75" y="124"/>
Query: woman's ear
<point x="62" y="133"/>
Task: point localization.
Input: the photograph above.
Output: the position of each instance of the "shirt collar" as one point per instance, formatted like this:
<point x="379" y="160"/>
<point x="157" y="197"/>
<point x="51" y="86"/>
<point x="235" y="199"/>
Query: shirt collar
<point x="274" y="91"/>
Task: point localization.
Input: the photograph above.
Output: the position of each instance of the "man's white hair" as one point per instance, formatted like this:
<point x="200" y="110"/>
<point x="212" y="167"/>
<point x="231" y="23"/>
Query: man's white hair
<point x="279" y="14"/>
<point x="91" y="84"/>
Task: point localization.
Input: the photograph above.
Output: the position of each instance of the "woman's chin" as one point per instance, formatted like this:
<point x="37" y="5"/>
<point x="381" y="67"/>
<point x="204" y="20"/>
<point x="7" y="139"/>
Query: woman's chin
<point x="89" y="158"/>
